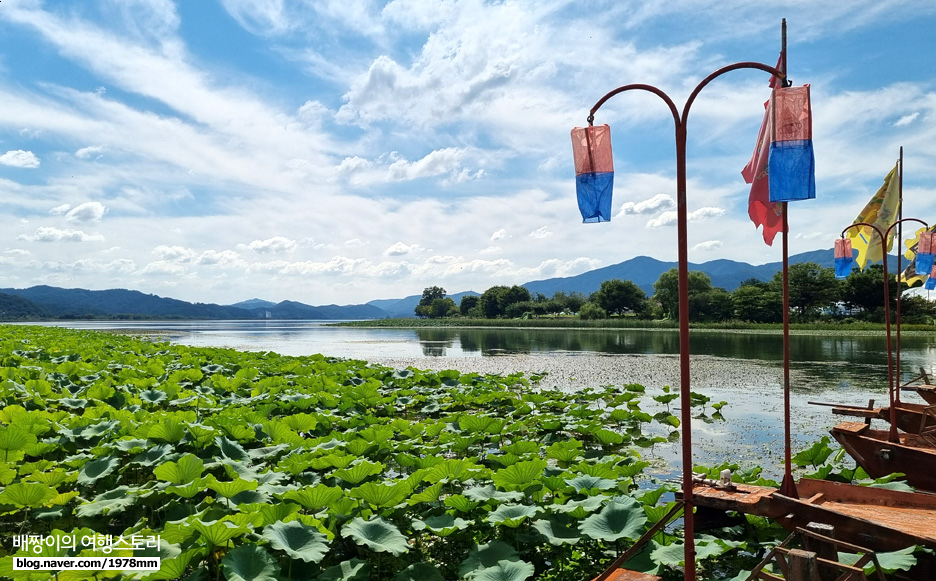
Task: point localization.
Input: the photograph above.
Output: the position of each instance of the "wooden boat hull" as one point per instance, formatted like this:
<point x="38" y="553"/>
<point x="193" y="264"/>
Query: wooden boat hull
<point x="876" y="518"/>
<point x="927" y="392"/>
<point x="913" y="455"/>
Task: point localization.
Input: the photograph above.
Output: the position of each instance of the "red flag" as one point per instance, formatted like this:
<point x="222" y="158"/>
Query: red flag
<point x="761" y="210"/>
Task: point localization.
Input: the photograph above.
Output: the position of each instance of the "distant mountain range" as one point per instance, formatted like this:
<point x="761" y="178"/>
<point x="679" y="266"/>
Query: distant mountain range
<point x="46" y="302"/>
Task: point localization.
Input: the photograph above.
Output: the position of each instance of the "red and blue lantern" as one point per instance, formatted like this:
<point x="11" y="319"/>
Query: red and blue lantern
<point x="791" y="164"/>
<point x="594" y="171"/>
<point x="844" y="259"/>
<point x="925" y="252"/>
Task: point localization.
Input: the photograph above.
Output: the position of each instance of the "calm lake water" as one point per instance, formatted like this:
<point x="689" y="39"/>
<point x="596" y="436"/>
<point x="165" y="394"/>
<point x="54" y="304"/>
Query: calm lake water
<point x="828" y="361"/>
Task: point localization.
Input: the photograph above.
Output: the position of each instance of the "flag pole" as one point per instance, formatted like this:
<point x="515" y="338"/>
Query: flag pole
<point x="899" y="272"/>
<point x="788" y="486"/>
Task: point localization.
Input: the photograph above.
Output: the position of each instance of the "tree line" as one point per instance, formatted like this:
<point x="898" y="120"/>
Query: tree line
<point x="815" y="294"/>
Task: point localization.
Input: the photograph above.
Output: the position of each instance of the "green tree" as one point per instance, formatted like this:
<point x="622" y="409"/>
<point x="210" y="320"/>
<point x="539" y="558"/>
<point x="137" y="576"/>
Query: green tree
<point x="711" y="306"/>
<point x="590" y="310"/>
<point x="441" y="308"/>
<point x="617" y="297"/>
<point x="757" y="303"/>
<point x="491" y="301"/>
<point x="666" y="290"/>
<point x="430" y="294"/>
<point x="468" y="304"/>
<point x="812" y="287"/>
<point x="864" y="289"/>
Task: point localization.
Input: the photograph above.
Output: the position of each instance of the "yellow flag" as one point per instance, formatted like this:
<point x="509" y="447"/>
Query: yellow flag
<point x="881" y="211"/>
<point x="909" y="274"/>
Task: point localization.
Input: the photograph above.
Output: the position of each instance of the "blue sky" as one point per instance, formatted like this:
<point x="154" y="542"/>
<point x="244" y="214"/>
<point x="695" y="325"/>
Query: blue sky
<point x="343" y="151"/>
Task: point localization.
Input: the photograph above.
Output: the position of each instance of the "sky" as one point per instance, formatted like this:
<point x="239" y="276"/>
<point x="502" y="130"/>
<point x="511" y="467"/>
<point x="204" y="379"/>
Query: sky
<point x="336" y="152"/>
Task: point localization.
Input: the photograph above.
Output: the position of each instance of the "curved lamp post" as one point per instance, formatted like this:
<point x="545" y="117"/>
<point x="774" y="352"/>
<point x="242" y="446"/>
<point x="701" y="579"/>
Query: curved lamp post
<point x="680" y="120"/>
<point x="892" y="434"/>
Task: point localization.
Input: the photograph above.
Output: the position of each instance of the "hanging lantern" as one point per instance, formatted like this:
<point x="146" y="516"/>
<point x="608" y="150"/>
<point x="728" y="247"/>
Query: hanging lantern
<point x="930" y="283"/>
<point x="925" y="252"/>
<point x="791" y="166"/>
<point x="594" y="171"/>
<point x="843" y="257"/>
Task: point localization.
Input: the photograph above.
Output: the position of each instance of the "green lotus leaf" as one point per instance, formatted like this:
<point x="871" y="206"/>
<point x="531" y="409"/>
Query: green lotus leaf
<point x="231" y="449"/>
<point x="622" y="517"/>
<point x="522" y="448"/>
<point x="263" y="514"/>
<point x="73" y="403"/>
<point x="377" y="434"/>
<point x="31" y="494"/>
<point x="505" y="571"/>
<point x="378" y="534"/>
<point x="486" y="556"/>
<point x="450" y="470"/>
<point x="153" y="455"/>
<point x="608" y="437"/>
<point x="429" y="494"/>
<point x="481" y="424"/>
<point x="187" y="469"/>
<point x="353" y="570"/>
<point x="359" y="472"/>
<point x="189" y="490"/>
<point x="512" y="515"/>
<point x="94" y="470"/>
<point x="174" y="567"/>
<point x="419" y="572"/>
<point x="505" y="459"/>
<point x="381" y="495"/>
<point x="169" y="430"/>
<point x="152" y="396"/>
<point x="231" y="488"/>
<point x="488" y="492"/>
<point x="315" y="497"/>
<point x="297" y="540"/>
<point x="360" y="447"/>
<point x="250" y="563"/>
<point x="111" y="502"/>
<point x="588" y="483"/>
<point x="52" y="478"/>
<point x="558" y="532"/>
<point x="443" y="524"/>
<point x="333" y="460"/>
<point x="219" y="532"/>
<point x="13" y="438"/>
<point x="891" y="562"/>
<point x="461" y="503"/>
<point x="520" y="475"/>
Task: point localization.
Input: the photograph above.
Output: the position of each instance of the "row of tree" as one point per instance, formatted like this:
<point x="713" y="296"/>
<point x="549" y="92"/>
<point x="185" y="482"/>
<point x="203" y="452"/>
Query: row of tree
<point x="814" y="292"/>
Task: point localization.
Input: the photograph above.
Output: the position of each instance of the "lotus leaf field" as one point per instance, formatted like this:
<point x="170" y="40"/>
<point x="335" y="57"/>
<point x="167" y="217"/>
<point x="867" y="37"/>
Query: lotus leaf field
<point x="259" y="467"/>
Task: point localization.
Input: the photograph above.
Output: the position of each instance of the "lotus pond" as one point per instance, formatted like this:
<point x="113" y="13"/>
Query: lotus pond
<point x="260" y="467"/>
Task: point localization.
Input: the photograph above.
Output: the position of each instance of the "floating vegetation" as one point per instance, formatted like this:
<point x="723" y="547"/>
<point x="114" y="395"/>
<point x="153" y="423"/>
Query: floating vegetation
<point x="258" y="466"/>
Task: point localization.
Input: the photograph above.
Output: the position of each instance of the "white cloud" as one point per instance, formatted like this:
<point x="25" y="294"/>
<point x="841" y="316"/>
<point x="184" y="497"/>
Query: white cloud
<point x="162" y="268"/>
<point x="20" y="158"/>
<point x="52" y="234"/>
<point x="498" y="235"/>
<point x="708" y="245"/>
<point x="400" y="249"/>
<point x="670" y="217"/>
<point x="657" y="203"/>
<point x="87" y="212"/>
<point x="60" y="209"/>
<point x="907" y="119"/>
<point x="540" y="233"/>
<point x="275" y="244"/>
<point x="174" y="253"/>
<point x="224" y="259"/>
<point x="89" y="152"/>
<point x="354" y="243"/>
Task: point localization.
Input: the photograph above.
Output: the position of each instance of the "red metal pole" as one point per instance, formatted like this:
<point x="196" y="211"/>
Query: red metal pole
<point x="899" y="272"/>
<point x="788" y="486"/>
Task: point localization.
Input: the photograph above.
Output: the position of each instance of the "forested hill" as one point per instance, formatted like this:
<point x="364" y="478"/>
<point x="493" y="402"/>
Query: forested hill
<point x="48" y="302"/>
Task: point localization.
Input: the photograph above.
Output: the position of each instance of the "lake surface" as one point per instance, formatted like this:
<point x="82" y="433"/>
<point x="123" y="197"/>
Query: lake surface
<point x="824" y="361"/>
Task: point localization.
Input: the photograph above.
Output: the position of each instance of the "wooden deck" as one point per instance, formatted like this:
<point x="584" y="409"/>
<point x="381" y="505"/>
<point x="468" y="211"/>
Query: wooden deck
<point x="880" y="519"/>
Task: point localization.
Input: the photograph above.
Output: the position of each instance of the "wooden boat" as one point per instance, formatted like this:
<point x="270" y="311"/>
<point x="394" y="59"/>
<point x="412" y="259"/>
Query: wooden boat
<point x="912" y="418"/>
<point x="876" y="518"/>
<point x="925" y="390"/>
<point x="913" y="454"/>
